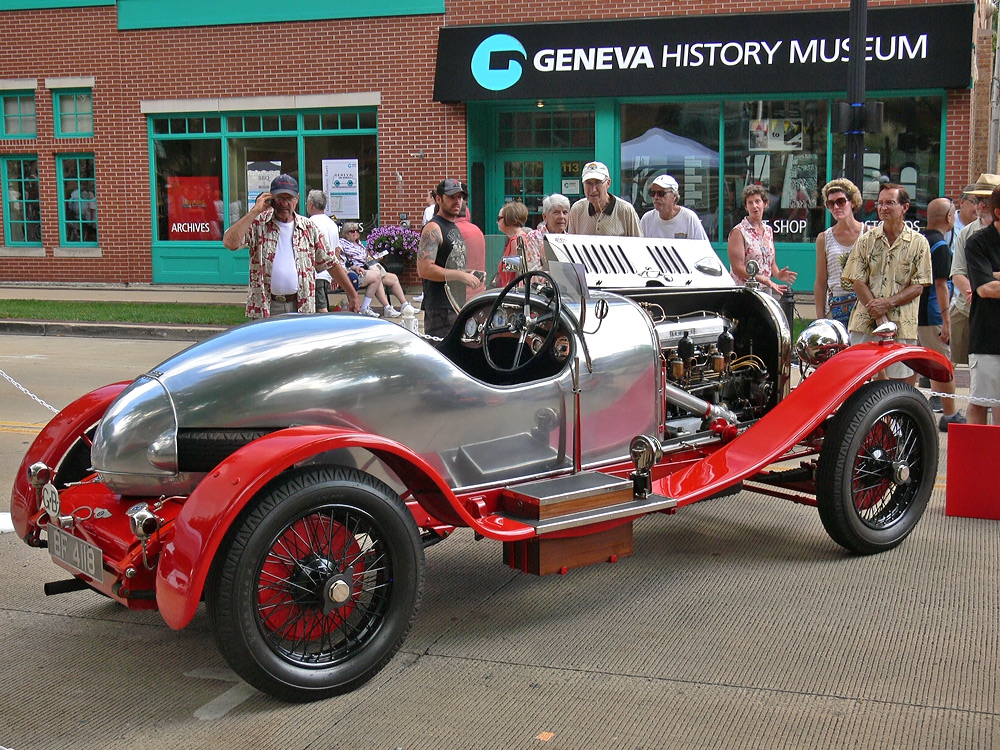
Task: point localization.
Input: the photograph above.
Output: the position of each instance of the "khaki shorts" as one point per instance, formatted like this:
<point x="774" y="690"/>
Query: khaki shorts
<point x="928" y="337"/>
<point x="984" y="385"/>
<point x="897" y="371"/>
<point x="959" y="337"/>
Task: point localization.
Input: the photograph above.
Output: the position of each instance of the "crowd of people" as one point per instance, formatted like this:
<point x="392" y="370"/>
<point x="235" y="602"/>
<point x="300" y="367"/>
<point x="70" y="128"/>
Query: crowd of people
<point x="940" y="288"/>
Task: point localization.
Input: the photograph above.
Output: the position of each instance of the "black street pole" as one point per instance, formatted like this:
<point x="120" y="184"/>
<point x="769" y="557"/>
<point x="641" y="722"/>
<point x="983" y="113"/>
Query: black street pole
<point x="855" y="147"/>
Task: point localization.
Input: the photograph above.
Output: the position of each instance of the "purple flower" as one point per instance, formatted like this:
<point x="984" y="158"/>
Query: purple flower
<point x="394" y="239"/>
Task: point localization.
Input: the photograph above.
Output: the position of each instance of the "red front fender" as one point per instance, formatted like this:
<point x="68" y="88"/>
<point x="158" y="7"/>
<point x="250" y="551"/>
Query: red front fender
<point x="815" y="399"/>
<point x="213" y="506"/>
<point x="52" y="444"/>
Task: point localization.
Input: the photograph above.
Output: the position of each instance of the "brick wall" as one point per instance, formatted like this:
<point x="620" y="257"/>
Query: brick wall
<point x="393" y="56"/>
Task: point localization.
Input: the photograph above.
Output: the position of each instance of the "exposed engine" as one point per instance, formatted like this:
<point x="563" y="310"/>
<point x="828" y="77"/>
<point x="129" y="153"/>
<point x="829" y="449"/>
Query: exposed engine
<point x="704" y="376"/>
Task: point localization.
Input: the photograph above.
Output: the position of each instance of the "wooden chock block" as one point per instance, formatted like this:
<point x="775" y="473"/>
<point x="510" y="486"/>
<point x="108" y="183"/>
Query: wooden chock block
<point x="973" y="490"/>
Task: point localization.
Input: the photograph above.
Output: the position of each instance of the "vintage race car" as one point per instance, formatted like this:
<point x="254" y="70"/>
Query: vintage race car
<point x="290" y="472"/>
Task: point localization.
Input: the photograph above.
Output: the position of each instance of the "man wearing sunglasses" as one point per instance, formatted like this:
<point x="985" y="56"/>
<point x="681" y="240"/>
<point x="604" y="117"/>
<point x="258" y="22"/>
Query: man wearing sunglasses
<point x="888" y="268"/>
<point x="669" y="219"/>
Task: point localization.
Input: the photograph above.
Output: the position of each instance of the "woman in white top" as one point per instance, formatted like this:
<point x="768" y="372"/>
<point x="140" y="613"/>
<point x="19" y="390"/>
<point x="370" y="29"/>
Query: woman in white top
<point x="832" y="248"/>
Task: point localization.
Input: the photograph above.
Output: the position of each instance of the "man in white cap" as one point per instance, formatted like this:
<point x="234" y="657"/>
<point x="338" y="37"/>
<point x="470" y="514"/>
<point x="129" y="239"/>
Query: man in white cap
<point x="668" y="218"/>
<point x="600" y="212"/>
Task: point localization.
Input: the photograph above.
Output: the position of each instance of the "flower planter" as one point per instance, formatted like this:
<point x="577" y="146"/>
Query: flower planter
<point x="393" y="263"/>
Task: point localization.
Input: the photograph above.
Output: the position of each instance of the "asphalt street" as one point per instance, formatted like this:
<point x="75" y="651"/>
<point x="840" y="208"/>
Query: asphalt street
<point x="736" y="624"/>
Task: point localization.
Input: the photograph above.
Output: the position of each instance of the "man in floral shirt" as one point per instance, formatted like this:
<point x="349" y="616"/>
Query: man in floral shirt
<point x="286" y="250"/>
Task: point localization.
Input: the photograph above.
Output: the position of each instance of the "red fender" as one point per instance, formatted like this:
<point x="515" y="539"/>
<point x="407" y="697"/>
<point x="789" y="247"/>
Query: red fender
<point x="51" y="444"/>
<point x="211" y="509"/>
<point x="816" y="398"/>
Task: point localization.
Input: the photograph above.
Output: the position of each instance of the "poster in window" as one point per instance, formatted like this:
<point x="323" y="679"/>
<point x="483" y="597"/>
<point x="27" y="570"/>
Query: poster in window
<point x="259" y="176"/>
<point x="194" y="208"/>
<point x="776" y="135"/>
<point x="340" y="183"/>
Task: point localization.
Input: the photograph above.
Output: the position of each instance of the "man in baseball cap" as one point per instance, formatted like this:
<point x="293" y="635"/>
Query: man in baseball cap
<point x="286" y="251"/>
<point x="668" y="218"/>
<point x="600" y="212"/>
<point x="441" y="258"/>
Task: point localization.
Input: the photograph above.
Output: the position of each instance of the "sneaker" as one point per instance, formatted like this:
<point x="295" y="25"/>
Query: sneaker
<point x="369" y="312"/>
<point x="935" y="402"/>
<point x="419" y="298"/>
<point x="390" y="312"/>
<point x="955" y="418"/>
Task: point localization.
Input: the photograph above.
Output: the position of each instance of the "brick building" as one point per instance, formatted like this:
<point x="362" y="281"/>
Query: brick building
<point x="135" y="131"/>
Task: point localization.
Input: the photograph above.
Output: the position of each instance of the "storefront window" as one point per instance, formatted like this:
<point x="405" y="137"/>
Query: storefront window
<point x="341" y="153"/>
<point x="781" y="145"/>
<point x="907" y="152"/>
<point x="680" y="139"/>
<point x="196" y="199"/>
<point x="189" y="189"/>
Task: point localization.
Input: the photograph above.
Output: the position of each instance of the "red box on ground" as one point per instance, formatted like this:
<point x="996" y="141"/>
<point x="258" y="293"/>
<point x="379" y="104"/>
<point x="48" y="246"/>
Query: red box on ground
<point x="973" y="491"/>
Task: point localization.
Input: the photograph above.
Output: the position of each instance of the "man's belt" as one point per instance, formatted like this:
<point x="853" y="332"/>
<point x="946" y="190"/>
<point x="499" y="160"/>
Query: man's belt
<point x="284" y="297"/>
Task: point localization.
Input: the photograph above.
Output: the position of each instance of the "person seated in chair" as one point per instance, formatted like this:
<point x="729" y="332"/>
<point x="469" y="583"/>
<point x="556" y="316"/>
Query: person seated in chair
<point x="357" y="258"/>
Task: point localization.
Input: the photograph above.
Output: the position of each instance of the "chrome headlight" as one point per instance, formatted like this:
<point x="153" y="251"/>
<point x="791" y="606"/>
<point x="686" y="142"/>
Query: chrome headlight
<point x="821" y="340"/>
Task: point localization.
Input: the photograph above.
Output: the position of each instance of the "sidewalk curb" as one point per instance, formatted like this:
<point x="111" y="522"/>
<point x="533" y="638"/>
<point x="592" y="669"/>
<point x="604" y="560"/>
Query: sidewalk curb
<point x="146" y="332"/>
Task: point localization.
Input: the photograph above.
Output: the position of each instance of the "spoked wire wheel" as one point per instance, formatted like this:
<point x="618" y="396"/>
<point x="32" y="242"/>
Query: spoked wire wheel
<point x="317" y="585"/>
<point x="877" y="467"/>
<point x="324" y="586"/>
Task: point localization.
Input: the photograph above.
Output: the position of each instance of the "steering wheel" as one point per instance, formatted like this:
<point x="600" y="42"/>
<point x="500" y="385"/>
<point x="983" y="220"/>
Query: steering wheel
<point x="522" y="323"/>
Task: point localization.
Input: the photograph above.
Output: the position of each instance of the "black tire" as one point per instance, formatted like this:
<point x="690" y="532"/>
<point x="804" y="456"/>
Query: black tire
<point x="877" y="467"/>
<point x="317" y="584"/>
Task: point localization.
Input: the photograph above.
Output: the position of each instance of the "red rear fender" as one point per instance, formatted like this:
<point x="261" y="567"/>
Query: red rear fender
<point x="215" y="503"/>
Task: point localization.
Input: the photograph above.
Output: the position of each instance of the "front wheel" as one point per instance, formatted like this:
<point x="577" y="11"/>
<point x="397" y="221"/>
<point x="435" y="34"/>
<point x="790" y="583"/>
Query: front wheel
<point x="877" y="467"/>
<point x="318" y="584"/>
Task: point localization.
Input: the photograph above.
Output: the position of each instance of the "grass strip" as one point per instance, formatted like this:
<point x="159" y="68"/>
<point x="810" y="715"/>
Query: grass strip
<point x="123" y="312"/>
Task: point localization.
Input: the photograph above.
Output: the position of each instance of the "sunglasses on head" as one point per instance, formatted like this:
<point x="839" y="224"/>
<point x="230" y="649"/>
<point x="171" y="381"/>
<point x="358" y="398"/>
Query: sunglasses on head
<point x="836" y="202"/>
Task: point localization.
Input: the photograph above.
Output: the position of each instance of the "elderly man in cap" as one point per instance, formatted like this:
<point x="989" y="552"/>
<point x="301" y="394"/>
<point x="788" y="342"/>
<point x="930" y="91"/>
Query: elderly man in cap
<point x="600" y="212"/>
<point x="286" y="250"/>
<point x="668" y="218"/>
<point x="962" y="297"/>
<point x="441" y="257"/>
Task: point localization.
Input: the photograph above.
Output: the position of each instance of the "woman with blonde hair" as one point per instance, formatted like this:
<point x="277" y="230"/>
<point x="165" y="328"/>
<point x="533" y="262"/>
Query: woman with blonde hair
<point x="842" y="199"/>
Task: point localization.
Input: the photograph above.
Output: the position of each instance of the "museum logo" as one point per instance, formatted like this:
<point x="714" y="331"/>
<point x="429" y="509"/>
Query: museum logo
<point x="495" y="63"/>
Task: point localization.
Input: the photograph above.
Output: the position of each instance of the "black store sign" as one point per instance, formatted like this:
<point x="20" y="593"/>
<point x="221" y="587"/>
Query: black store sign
<point x="914" y="47"/>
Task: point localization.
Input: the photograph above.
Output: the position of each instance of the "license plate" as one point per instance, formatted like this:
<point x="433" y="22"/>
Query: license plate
<point x="81" y="556"/>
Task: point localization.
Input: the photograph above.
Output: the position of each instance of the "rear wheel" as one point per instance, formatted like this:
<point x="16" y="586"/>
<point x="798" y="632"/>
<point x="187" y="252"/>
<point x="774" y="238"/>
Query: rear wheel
<point x="318" y="584"/>
<point x="877" y="467"/>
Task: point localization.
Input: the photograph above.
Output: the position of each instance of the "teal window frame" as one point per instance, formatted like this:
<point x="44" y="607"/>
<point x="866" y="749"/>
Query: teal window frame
<point x="10" y="221"/>
<point x="298" y="125"/>
<point x="65" y="221"/>
<point x="61" y="109"/>
<point x="20" y="116"/>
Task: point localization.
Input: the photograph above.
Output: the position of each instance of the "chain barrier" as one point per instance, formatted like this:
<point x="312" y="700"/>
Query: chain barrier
<point x="28" y="393"/>
<point x="959" y="397"/>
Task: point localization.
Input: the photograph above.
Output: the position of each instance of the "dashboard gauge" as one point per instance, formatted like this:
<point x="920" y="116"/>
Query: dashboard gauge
<point x="471" y="328"/>
<point x="499" y="319"/>
<point x="561" y="349"/>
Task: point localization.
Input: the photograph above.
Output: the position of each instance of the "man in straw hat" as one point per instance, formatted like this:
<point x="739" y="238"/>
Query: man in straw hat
<point x="962" y="296"/>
